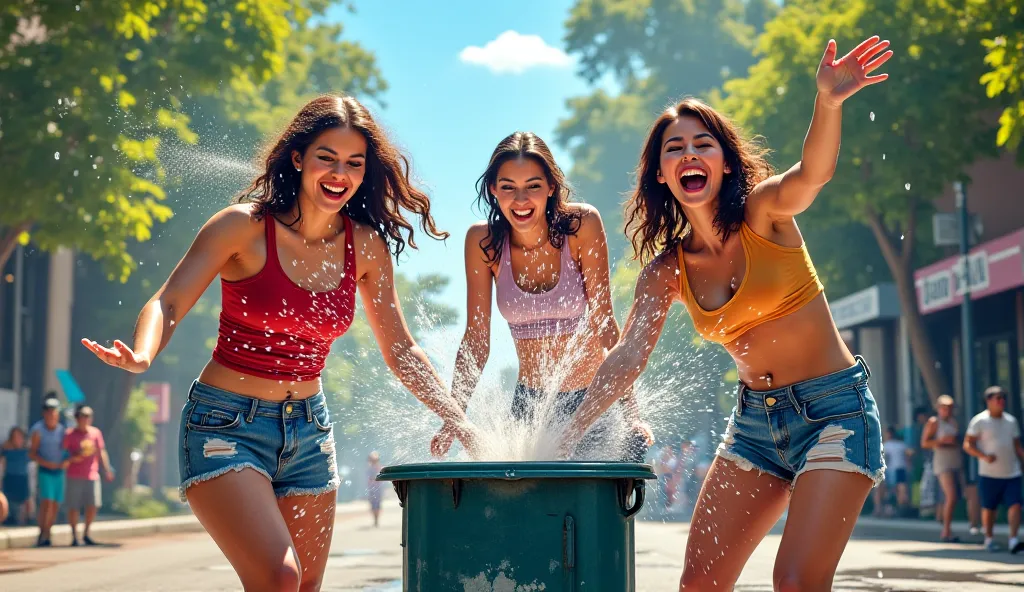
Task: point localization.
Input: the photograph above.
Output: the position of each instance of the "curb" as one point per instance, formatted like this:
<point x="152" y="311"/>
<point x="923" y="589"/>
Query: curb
<point x="25" y="537"/>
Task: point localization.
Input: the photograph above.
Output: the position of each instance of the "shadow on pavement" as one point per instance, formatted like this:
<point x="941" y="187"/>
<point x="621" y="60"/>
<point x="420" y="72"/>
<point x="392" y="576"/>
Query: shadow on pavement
<point x="873" y="575"/>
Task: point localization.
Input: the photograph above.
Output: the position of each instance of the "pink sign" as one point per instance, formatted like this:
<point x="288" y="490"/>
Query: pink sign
<point x="160" y="393"/>
<point x="994" y="267"/>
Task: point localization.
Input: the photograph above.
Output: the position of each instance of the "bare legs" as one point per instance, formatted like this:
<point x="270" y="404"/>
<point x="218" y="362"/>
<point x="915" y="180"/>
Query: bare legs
<point x="737" y="508"/>
<point x="948" y="482"/>
<point x="255" y="531"/>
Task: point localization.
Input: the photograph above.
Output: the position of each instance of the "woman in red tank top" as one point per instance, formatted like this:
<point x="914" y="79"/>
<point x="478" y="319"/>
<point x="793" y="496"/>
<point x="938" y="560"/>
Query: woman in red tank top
<point x="257" y="456"/>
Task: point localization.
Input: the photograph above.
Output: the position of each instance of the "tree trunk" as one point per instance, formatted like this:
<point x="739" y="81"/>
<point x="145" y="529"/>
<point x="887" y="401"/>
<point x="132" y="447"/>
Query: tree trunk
<point x="9" y="240"/>
<point x="899" y="257"/>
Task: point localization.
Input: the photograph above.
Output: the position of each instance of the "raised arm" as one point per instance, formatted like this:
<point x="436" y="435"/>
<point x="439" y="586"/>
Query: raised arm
<point x="786" y="195"/>
<point x="401" y="353"/>
<point x="656" y="288"/>
<point x="216" y="243"/>
<point x="476" y="341"/>
<point x="928" y="439"/>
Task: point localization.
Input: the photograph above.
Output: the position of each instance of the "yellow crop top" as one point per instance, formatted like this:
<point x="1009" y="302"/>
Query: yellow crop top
<point x="778" y="280"/>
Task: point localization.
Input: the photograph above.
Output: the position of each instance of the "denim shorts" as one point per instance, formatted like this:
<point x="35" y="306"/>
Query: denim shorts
<point x="291" y="443"/>
<point x="830" y="422"/>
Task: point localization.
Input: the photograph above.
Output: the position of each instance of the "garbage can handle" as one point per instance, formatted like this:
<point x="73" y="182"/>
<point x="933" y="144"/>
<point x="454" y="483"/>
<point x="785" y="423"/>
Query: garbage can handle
<point x="638" y="489"/>
<point x="402" y="489"/>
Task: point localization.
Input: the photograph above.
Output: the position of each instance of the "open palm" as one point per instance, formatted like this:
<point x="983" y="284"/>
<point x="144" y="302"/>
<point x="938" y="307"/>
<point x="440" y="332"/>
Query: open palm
<point x="119" y="356"/>
<point x="840" y="79"/>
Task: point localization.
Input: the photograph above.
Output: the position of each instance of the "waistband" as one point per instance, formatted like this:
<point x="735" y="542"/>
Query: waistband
<point x="545" y="327"/>
<point x="536" y="392"/>
<point x="252" y="407"/>
<point x="802" y="392"/>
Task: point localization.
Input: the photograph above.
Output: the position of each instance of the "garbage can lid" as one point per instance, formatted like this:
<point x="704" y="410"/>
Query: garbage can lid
<point x="517" y="470"/>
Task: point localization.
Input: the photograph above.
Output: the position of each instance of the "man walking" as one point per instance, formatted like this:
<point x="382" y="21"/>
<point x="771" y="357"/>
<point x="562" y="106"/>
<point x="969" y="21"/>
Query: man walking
<point x="46" y="449"/>
<point x="993" y="436"/>
<point x="84" y="444"/>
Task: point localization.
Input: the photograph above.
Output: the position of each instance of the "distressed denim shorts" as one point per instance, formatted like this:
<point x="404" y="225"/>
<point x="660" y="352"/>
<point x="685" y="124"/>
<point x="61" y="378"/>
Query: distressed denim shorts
<point x="291" y="443"/>
<point x="830" y="422"/>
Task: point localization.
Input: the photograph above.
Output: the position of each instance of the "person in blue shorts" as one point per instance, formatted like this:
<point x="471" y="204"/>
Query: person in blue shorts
<point x="47" y="450"/>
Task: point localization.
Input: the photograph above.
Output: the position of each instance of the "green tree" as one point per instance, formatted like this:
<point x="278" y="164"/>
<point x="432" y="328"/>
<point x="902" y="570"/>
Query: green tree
<point x="356" y="369"/>
<point x="651" y="50"/>
<point x="1002" y="23"/>
<point x="897" y="155"/>
<point x="200" y="176"/>
<point x="91" y="89"/>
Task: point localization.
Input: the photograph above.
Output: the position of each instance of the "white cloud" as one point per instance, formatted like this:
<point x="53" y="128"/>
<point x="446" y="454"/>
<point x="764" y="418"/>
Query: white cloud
<point x="513" y="52"/>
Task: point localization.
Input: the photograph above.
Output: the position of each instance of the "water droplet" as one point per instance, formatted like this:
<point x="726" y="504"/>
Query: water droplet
<point x="872" y="116"/>
<point x="56" y="155"/>
<point x="907" y="186"/>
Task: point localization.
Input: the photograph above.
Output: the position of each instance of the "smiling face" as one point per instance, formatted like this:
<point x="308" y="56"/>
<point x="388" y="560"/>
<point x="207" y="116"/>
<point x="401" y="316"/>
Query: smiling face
<point x="692" y="163"/>
<point x="522" y="189"/>
<point x="333" y="168"/>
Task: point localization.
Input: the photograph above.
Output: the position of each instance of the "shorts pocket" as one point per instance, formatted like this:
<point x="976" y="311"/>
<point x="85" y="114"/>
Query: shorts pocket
<point x="837" y="406"/>
<point x="322" y="419"/>
<point x="210" y="419"/>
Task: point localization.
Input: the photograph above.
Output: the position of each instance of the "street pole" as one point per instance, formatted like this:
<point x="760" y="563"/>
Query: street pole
<point x="966" y="326"/>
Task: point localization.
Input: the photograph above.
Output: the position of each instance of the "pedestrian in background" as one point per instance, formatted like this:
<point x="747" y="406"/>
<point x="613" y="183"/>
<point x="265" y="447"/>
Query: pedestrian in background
<point x="14" y="457"/>
<point x="373" y="487"/>
<point x="993" y="436"/>
<point x="941" y="436"/>
<point x="46" y="448"/>
<point x="86" y="448"/>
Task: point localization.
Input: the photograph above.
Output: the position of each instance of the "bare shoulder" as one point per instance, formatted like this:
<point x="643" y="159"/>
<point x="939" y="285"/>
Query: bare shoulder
<point x="234" y="222"/>
<point x="661" y="275"/>
<point x="370" y="246"/>
<point x="477" y="232"/>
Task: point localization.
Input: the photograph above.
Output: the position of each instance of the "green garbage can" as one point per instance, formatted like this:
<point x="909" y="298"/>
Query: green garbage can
<point x="518" y="526"/>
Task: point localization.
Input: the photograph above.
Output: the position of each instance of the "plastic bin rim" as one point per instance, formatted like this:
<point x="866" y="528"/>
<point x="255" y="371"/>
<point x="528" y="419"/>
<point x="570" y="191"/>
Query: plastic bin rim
<point x="517" y="470"/>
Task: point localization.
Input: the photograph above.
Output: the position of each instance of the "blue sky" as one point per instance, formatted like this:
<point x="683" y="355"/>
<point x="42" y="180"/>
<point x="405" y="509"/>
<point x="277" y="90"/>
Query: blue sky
<point x="448" y="106"/>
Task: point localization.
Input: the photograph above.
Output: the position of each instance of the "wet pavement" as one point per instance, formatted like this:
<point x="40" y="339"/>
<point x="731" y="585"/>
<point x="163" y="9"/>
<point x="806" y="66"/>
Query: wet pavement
<point x="365" y="559"/>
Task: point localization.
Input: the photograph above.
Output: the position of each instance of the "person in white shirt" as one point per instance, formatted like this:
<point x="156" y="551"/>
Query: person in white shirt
<point x="993" y="436"/>
<point x="896" y="452"/>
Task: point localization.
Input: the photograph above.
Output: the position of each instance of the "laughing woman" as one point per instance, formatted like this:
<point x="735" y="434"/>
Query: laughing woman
<point x="256" y="446"/>
<point x="805" y="432"/>
<point x="547" y="261"/>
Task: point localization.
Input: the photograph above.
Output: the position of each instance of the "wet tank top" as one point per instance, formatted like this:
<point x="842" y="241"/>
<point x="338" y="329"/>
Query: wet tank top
<point x="556" y="312"/>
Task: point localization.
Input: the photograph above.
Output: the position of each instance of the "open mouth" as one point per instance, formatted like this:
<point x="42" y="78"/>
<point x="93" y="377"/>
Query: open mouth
<point x="333" y="191"/>
<point x="693" y="179"/>
<point x="522" y="215"/>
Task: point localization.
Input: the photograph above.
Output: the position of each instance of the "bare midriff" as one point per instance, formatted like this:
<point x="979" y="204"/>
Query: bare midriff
<point x="802" y="345"/>
<point x="539" y="357"/>
<point x="221" y="377"/>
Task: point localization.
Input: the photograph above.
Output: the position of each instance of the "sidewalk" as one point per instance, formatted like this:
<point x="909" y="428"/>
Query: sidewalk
<point x="25" y="536"/>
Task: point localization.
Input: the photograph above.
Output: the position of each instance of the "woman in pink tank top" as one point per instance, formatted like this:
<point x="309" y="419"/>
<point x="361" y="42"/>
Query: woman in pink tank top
<point x="257" y="452"/>
<point x="547" y="260"/>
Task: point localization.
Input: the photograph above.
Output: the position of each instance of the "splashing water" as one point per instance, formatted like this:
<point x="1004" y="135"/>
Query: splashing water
<point x="672" y="403"/>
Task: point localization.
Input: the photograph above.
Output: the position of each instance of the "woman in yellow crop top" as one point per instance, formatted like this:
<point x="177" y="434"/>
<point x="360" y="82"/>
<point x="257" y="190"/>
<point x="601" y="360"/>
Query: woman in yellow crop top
<point x="805" y="432"/>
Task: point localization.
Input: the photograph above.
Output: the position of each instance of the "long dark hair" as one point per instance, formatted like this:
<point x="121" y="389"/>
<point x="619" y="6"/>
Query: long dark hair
<point x="561" y="220"/>
<point x="386" y="187"/>
<point x="654" y="219"/>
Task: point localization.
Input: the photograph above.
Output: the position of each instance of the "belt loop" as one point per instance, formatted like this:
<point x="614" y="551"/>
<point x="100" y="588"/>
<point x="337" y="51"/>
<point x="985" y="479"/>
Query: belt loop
<point x="792" y="399"/>
<point x="863" y="364"/>
<point x="740" y="391"/>
<point x="253" y="406"/>
<point x="309" y="409"/>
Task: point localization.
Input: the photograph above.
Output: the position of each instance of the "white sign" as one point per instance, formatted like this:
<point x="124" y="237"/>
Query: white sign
<point x="939" y="288"/>
<point x="978" y="265"/>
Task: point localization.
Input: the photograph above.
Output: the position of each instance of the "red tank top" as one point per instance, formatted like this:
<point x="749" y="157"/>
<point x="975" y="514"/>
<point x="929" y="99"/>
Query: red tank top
<point x="272" y="328"/>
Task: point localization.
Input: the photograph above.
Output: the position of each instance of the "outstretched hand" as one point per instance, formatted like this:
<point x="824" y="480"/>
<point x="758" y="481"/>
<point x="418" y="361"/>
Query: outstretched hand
<point x="840" y="79"/>
<point x="119" y="356"/>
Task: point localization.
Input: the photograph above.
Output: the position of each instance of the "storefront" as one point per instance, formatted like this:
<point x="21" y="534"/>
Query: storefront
<point x="996" y="276"/>
<point x="870" y="323"/>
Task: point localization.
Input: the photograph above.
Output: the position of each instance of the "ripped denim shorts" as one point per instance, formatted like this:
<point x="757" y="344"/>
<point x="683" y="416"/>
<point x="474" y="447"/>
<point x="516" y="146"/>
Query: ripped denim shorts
<point x="830" y="422"/>
<point x="291" y="443"/>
